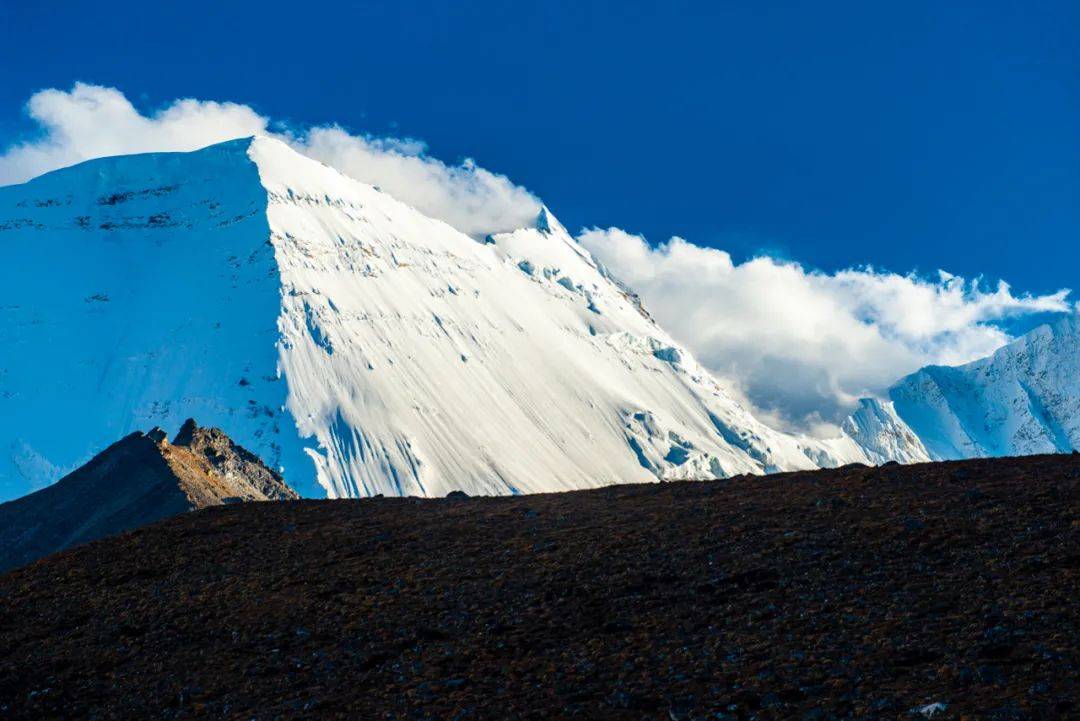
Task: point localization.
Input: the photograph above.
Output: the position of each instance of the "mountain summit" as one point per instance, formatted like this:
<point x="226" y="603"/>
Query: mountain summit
<point x="356" y="345"/>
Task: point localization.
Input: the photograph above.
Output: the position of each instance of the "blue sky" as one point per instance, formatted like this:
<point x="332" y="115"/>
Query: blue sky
<point x="918" y="136"/>
<point x="910" y="137"/>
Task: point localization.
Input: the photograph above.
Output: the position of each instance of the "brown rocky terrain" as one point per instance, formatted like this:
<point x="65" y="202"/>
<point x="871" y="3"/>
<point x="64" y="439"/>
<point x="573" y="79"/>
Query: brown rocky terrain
<point x="139" y="479"/>
<point x="943" y="591"/>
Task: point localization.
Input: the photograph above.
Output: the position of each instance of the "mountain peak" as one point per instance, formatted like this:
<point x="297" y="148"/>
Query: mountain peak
<point x="547" y="223"/>
<point x="1023" y="399"/>
<point x="186" y="434"/>
<point x="1067" y="325"/>
<point x="137" y="480"/>
<point x="312" y="314"/>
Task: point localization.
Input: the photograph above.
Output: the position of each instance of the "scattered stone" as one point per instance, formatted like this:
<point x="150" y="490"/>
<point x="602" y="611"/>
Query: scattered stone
<point x="930" y="710"/>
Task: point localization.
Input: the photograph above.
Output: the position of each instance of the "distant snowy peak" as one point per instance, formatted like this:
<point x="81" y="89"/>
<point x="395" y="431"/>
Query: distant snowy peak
<point x="1023" y="399"/>
<point x="341" y="335"/>
<point x="883" y="435"/>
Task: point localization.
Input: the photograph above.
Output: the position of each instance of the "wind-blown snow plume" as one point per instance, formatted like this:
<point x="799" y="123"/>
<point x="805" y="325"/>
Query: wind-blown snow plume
<point x="92" y="121"/>
<point x="468" y="197"/>
<point x="802" y="344"/>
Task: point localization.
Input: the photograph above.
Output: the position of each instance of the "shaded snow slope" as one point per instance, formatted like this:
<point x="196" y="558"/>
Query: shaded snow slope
<point x="1023" y="399"/>
<point x="137" y="291"/>
<point x="341" y="335"/>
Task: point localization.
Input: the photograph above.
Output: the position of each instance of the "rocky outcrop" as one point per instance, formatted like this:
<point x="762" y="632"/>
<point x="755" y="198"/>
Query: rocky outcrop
<point x="213" y="470"/>
<point x="139" y="479"/>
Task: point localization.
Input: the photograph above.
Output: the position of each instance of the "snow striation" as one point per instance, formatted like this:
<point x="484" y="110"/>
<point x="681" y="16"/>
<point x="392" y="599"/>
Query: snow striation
<point x="1021" y="400"/>
<point x="347" y="339"/>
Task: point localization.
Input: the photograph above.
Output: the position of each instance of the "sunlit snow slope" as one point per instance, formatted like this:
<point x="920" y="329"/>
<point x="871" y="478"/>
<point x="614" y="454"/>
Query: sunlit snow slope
<point x="341" y="335"/>
<point x="1021" y="400"/>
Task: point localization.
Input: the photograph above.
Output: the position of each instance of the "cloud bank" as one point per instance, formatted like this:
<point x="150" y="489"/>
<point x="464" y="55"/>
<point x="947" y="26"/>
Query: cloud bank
<point x="804" y="345"/>
<point x="91" y="121"/>
<point x="800" y="345"/>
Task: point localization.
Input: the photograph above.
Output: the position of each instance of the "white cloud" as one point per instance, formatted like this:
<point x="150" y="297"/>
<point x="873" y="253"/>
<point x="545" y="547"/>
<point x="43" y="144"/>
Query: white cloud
<point x="91" y="121"/>
<point x="468" y="197"/>
<point x="803" y="345"/>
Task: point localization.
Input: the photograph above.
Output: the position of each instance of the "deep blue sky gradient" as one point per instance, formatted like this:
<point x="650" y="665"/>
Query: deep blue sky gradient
<point x="911" y="135"/>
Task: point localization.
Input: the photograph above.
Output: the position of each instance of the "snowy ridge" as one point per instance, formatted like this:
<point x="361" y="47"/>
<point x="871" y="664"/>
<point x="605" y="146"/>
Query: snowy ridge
<point x="346" y="338"/>
<point x="1023" y="399"/>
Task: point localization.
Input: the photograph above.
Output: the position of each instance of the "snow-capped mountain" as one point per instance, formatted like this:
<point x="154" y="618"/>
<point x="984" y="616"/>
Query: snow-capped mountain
<point x="1023" y="399"/>
<point x="881" y="433"/>
<point x="343" y="336"/>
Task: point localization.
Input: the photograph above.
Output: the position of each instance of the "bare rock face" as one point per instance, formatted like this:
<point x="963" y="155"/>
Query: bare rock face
<point x="139" y="479"/>
<point x="211" y="469"/>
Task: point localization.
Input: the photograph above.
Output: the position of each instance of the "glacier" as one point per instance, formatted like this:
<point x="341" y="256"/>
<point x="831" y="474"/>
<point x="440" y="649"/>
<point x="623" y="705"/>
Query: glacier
<point x="352" y="342"/>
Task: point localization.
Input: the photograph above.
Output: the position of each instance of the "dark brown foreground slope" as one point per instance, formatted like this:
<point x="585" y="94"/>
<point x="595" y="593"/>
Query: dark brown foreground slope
<point x="856" y="593"/>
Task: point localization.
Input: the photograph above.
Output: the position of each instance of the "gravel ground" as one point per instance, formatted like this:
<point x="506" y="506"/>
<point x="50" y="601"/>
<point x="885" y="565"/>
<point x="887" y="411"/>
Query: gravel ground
<point x="853" y="593"/>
